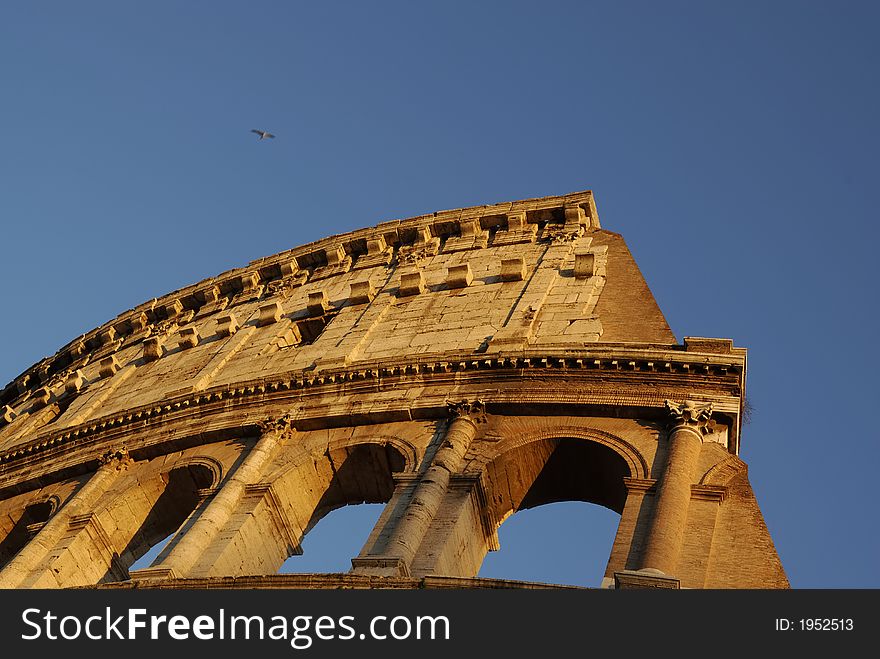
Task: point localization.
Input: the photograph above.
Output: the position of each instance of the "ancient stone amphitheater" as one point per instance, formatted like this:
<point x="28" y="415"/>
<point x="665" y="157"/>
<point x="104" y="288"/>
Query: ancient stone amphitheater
<point x="457" y="367"/>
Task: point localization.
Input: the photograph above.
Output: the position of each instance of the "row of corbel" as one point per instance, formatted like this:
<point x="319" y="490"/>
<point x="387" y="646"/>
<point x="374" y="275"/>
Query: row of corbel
<point x="294" y="269"/>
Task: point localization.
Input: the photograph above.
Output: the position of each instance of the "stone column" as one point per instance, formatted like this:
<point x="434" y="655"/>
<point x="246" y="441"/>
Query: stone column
<point x="196" y="539"/>
<point x="671" y="502"/>
<point x="428" y="494"/>
<point x="82" y="502"/>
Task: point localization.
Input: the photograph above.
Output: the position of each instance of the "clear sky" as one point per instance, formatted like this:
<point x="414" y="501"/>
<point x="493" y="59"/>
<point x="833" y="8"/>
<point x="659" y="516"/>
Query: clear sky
<point x="734" y="145"/>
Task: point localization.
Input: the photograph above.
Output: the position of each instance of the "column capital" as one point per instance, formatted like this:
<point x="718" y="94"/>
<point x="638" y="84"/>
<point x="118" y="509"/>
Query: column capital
<point x="471" y="410"/>
<point x="693" y="415"/>
<point x="280" y="425"/>
<point x="116" y="458"/>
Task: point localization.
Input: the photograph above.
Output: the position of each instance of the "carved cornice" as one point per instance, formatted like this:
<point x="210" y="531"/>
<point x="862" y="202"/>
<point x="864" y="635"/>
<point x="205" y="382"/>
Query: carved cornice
<point x="632" y="362"/>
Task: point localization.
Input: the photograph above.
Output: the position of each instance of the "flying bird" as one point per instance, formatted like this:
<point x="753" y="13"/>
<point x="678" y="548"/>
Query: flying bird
<point x="262" y="133"/>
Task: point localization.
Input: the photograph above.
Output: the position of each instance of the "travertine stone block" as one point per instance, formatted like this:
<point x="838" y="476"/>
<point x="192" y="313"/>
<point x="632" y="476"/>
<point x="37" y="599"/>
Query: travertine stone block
<point x="318" y="304"/>
<point x="513" y="269"/>
<point x="584" y="265"/>
<point x="107" y="336"/>
<point x="459" y="276"/>
<point x="249" y="281"/>
<point x="338" y="262"/>
<point x="7" y="414"/>
<point x="699" y="344"/>
<point x="109" y="366"/>
<point x="378" y="253"/>
<point x="411" y="283"/>
<point x="172" y="309"/>
<point x="518" y="231"/>
<point x="41" y="397"/>
<point x="189" y="337"/>
<point x="74" y="382"/>
<point x="362" y="292"/>
<point x="209" y="294"/>
<point x="471" y="236"/>
<point x="575" y="216"/>
<point x="227" y="324"/>
<point x="77" y="348"/>
<point x="269" y="313"/>
<point x="138" y="322"/>
<point x="289" y="267"/>
<point x="153" y="348"/>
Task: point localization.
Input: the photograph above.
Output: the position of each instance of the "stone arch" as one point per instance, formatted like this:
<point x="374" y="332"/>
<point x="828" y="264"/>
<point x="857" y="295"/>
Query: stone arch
<point x="213" y="468"/>
<point x="548" y="467"/>
<point x="145" y="505"/>
<point x="405" y="448"/>
<point x="274" y="516"/>
<point x="31" y="518"/>
<point x="186" y="484"/>
<point x="723" y="472"/>
<point x="638" y="466"/>
<point x="551" y="465"/>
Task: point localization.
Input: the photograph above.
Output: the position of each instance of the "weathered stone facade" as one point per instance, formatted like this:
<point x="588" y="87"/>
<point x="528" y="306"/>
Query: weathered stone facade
<point x="456" y="367"/>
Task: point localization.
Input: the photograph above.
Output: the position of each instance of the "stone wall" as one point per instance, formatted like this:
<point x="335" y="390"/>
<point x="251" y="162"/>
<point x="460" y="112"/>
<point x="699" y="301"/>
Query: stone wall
<point x="456" y="367"/>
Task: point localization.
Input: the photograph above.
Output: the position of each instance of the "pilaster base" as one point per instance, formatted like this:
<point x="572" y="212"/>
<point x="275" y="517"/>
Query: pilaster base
<point x="150" y="573"/>
<point x="645" y="578"/>
<point x="379" y="566"/>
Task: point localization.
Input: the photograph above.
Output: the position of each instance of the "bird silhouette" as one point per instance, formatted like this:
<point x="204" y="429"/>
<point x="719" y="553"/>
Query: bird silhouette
<point x="262" y="133"/>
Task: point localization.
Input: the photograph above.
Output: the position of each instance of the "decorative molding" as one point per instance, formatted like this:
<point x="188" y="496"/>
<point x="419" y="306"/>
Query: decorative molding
<point x="715" y="493"/>
<point x="640" y="485"/>
<point x="672" y="365"/>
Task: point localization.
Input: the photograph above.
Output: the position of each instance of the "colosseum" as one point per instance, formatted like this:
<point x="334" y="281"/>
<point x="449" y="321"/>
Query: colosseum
<point x="456" y="367"/>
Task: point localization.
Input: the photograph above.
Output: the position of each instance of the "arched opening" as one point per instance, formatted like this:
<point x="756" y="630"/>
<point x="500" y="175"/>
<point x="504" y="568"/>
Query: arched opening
<point x="181" y="495"/>
<point x="338" y="536"/>
<point x="32" y="519"/>
<point x="361" y="483"/>
<point x="567" y="542"/>
<point x="557" y="539"/>
<point x="273" y="517"/>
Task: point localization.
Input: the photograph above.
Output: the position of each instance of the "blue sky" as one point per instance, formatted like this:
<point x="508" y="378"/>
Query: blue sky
<point x="734" y="145"/>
